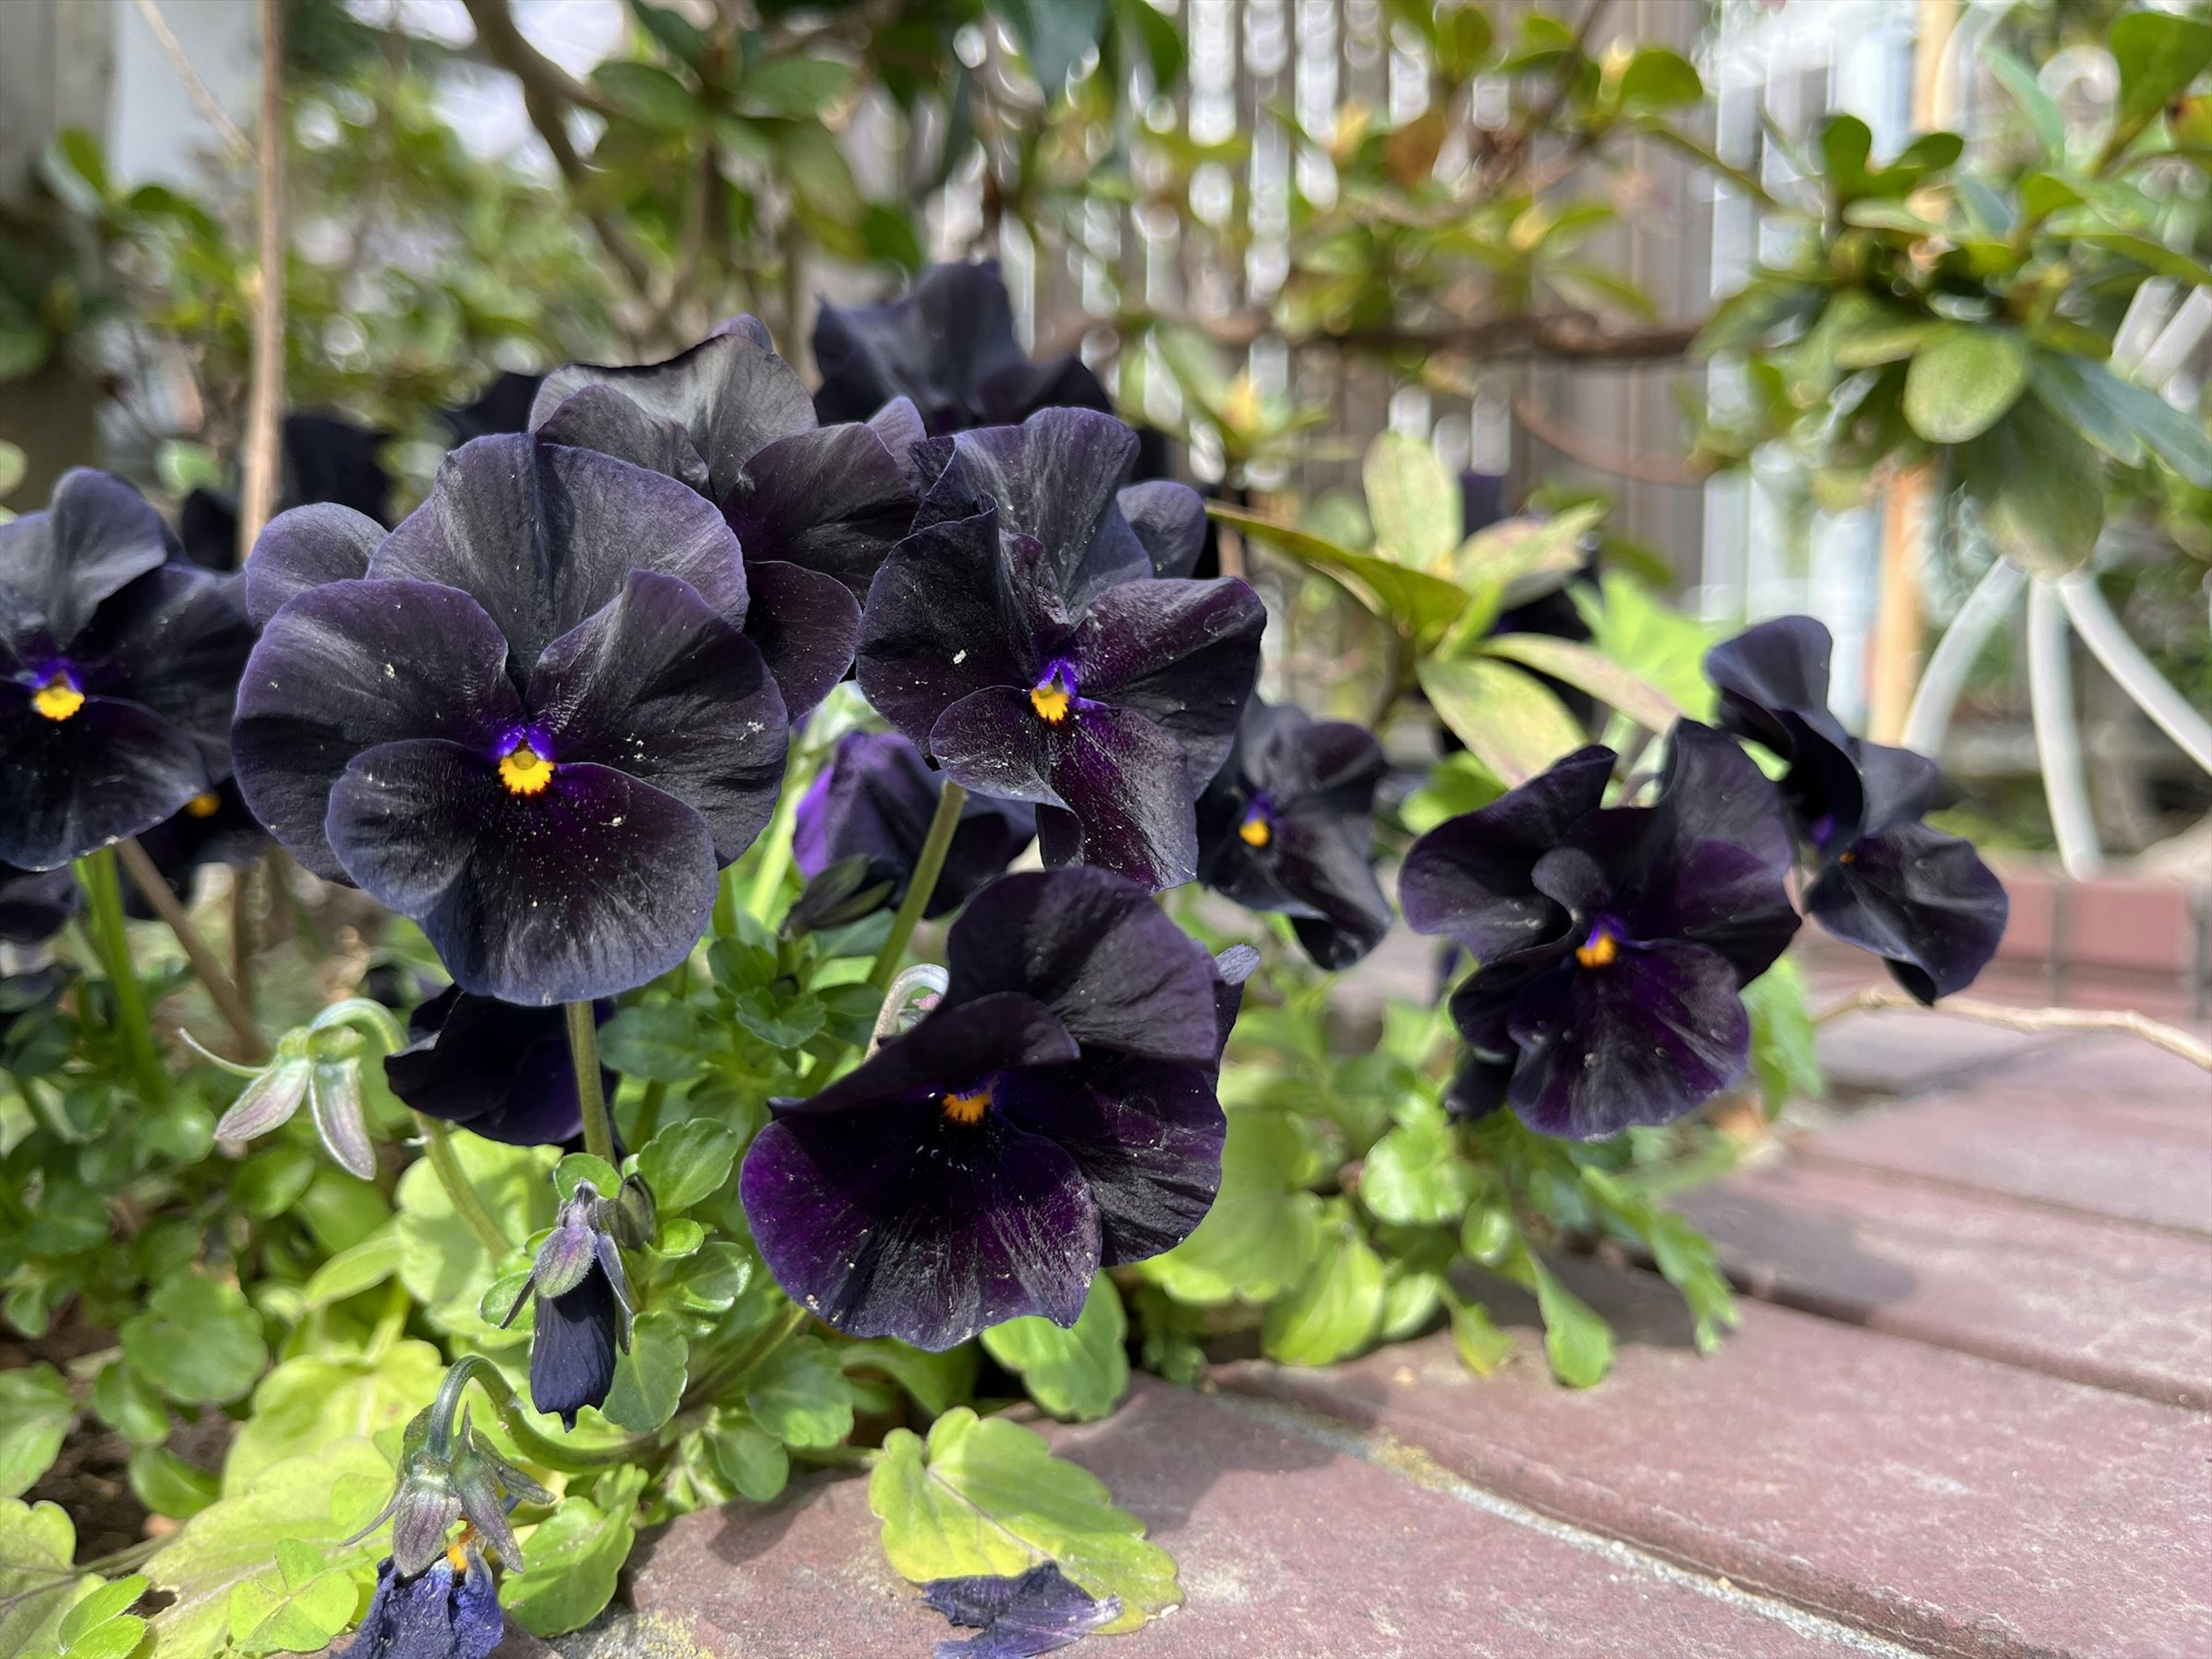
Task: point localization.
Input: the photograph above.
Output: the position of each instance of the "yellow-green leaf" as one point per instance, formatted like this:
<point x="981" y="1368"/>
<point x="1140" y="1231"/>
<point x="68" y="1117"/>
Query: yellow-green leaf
<point x="1509" y="722"/>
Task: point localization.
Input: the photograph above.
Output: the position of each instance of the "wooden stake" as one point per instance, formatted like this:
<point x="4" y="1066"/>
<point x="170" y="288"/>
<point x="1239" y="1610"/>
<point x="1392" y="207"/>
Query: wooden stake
<point x="264" y="421"/>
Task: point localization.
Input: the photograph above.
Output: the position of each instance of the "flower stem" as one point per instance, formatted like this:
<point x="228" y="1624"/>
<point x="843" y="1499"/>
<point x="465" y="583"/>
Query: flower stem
<point x="927" y="868"/>
<point x="775" y="844"/>
<point x="226" y="996"/>
<point x="103" y="895"/>
<point x="719" y="1375"/>
<point x="584" y="1051"/>
<point x="468" y="1204"/>
<point x="538" y="1448"/>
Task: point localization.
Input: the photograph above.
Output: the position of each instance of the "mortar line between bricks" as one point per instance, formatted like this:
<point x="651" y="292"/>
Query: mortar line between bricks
<point x="1883" y="1172"/>
<point x="1386" y="1452"/>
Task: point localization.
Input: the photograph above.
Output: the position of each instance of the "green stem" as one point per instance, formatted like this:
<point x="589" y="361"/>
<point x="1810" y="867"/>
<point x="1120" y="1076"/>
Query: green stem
<point x="223" y="991"/>
<point x="648" y="1121"/>
<point x="103" y="894"/>
<point x="718" y="1376"/>
<point x="927" y="868"/>
<point x="776" y="849"/>
<point x="584" y="1051"/>
<point x="538" y="1448"/>
<point x="467" y="1203"/>
<point x="725" y="903"/>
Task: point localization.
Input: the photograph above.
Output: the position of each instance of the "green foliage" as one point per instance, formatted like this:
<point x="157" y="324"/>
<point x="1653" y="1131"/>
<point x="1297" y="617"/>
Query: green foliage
<point x="38" y="1588"/>
<point x="1080" y="1372"/>
<point x="197" y="1342"/>
<point x="35" y="1414"/>
<point x="576" y="1555"/>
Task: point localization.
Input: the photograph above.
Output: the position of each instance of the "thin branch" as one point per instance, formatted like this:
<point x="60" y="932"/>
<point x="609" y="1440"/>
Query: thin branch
<point x="1573" y="335"/>
<point x="264" y="421"/>
<point x="2126" y="1020"/>
<point x="1590" y="451"/>
<point x="195" y="88"/>
<point x="224" y="994"/>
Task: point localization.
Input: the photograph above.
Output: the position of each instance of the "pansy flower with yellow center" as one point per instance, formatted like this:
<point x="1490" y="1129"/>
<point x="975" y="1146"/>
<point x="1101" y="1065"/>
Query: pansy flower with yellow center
<point x="119" y="667"/>
<point x="1053" y="1115"/>
<point x="529" y="718"/>
<point x="1612" y="944"/>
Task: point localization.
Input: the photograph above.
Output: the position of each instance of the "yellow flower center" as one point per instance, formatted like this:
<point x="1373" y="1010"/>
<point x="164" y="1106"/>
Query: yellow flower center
<point x="457" y="1553"/>
<point x="1254" y="832"/>
<point x="1599" y="951"/>
<point x="524" y="770"/>
<point x="966" y="1109"/>
<point x="203" y="804"/>
<point x="58" y="699"/>
<point x="1051" y="701"/>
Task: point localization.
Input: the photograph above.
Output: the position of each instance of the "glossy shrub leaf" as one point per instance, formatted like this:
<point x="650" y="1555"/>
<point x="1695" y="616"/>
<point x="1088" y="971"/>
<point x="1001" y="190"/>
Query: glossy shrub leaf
<point x="1081" y="1372"/>
<point x="794" y="86"/>
<point x="799" y="1394"/>
<point x="312" y="1401"/>
<point x="1335" y="1310"/>
<point x="2124" y="419"/>
<point x="1416" y="601"/>
<point x="1658" y="78"/>
<point x="35" y="1414"/>
<point x="2040" y="489"/>
<point x="2159" y="54"/>
<point x="198" y="1341"/>
<point x="656" y="1041"/>
<point x="1963" y="379"/>
<point x="984" y="1496"/>
<point x="1508" y="722"/>
<point x="1412" y="502"/>
<point x="575" y="1558"/>
<point x="687" y="1161"/>
<point x="649" y="1379"/>
<point x="1587" y="670"/>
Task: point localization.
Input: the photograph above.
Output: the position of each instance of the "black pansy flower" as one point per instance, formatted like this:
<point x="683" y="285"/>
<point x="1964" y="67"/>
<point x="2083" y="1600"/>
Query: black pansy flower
<point x="327" y="458"/>
<point x="493" y="1068"/>
<point x="450" y="1610"/>
<point x="1029" y="649"/>
<point x="119" y="667"/>
<point x="815" y="509"/>
<point x="530" y="720"/>
<point x="215" y="828"/>
<point x="1611" y="943"/>
<point x="1288" y="823"/>
<point x="1034" y="1613"/>
<point x="875" y="799"/>
<point x="1921" y="900"/>
<point x="583" y="1308"/>
<point x="1054" y="1114"/>
<point x="34" y="904"/>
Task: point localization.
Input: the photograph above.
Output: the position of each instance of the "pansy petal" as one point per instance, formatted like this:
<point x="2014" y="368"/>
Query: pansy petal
<point x="1097" y="951"/>
<point x="1056" y="477"/>
<point x="175" y="642"/>
<point x="1781" y="664"/>
<point x="1900" y="785"/>
<point x="805" y="625"/>
<point x="662" y="689"/>
<point x="96" y="535"/>
<point x="588" y="888"/>
<point x="500" y="1071"/>
<point x="1019" y="390"/>
<point x="832" y="499"/>
<point x="603" y="418"/>
<point x="898" y="423"/>
<point x="1921" y="900"/>
<point x="1470" y="879"/>
<point x="572" y="1349"/>
<point x="1169" y="519"/>
<point x="900" y="1223"/>
<point x="953" y="1049"/>
<point x="34" y="904"/>
<point x="541" y="536"/>
<point x="1148" y="1136"/>
<point x="730" y="391"/>
<point x="1183" y="654"/>
<point x="305" y="548"/>
<point x="937" y="627"/>
<point x="345" y="667"/>
<point x="1645" y="1039"/>
<point x="1038" y="1612"/>
<point x="111" y="770"/>
<point x="478" y="1623"/>
<point x="934" y="345"/>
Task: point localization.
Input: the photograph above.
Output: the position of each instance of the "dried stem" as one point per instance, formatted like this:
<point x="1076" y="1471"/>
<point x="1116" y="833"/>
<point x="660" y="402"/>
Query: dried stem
<point x="264" y="423"/>
<point x="195" y="88"/>
<point x="2171" y="1038"/>
<point x="205" y="964"/>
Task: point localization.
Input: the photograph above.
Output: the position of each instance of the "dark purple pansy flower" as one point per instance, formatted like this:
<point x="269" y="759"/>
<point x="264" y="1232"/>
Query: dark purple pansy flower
<point x="1054" y="1114"/>
<point x="118" y="668"/>
<point x="583" y="1308"/>
<point x="815" y="509"/>
<point x="492" y="1068"/>
<point x="1038" y="1611"/>
<point x="1287" y="824"/>
<point x="875" y="799"/>
<point x="1921" y="900"/>
<point x="34" y="904"/>
<point x="1027" y="648"/>
<point x="450" y="1610"/>
<point x="1611" y="943"/>
<point x="215" y="828"/>
<point x="327" y="458"/>
<point x="529" y="718"/>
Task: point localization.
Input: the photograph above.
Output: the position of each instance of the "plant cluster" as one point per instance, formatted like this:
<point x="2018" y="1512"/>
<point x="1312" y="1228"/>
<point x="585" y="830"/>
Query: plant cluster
<point x="654" y="1117"/>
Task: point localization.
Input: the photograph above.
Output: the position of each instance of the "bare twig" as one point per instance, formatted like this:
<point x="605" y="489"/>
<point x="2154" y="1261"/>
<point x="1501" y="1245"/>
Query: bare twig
<point x="195" y="88"/>
<point x="1529" y="411"/>
<point x="220" y="990"/>
<point x="264" y="423"/>
<point x="2171" y="1038"/>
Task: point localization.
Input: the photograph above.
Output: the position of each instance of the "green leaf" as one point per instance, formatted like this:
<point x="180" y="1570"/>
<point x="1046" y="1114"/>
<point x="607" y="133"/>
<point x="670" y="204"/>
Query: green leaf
<point x="799" y="1394"/>
<point x="198" y="1341"/>
<point x="12" y="467"/>
<point x="1783" y="1057"/>
<point x="986" y="1496"/>
<point x="274" y="1614"/>
<point x="675" y="32"/>
<point x="1417" y="601"/>
<point x="270" y="1182"/>
<point x="652" y="95"/>
<point x="2043" y="113"/>
<point x="1458" y="783"/>
<point x="1409" y="1300"/>
<point x="1414" y="1177"/>
<point x="1081" y="1372"/>
<point x="819" y="174"/>
<point x="35" y="1414"/>
<point x="656" y="1041"/>
<point x="1684" y="1255"/>
<point x="938" y="1381"/>
<point x="1481" y="1346"/>
<point x="362" y="1267"/>
<point x="2151" y="255"/>
<point x="1633" y="626"/>
<point x="317" y="1499"/>
<point x="109" y="1602"/>
<point x="166" y="1485"/>
<point x="310" y="1402"/>
<point x="1157" y="36"/>
<point x="778" y="1022"/>
<point x="37" y="1587"/>
<point x="2123" y="418"/>
<point x="1963" y="379"/>
<point x="751" y="1460"/>
<point x="1659" y="78"/>
<point x="1055" y="35"/>
<point x="794" y="86"/>
<point x="1577" y="1341"/>
<point x="2040" y="489"/>
<point x="574" y="1558"/>
<point x="1334" y="1310"/>
<point x="649" y="1379"/>
<point x="130" y="1404"/>
<point x="1586" y="671"/>
<point x="577" y="1168"/>
<point x="441" y="1261"/>
<point x="1508" y="722"/>
<point x="687" y="1161"/>
<point x="1262" y="1230"/>
<point x="2158" y="55"/>
<point x="1410" y="500"/>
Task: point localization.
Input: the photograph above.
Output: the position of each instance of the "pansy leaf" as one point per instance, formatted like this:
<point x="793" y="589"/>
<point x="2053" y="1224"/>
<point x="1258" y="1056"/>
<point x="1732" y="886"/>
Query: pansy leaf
<point x="356" y="1268"/>
<point x="1414" y="1175"/>
<point x="198" y="1341"/>
<point x="687" y="1161"/>
<point x="986" y="1496"/>
<point x="274" y="1614"/>
<point x="799" y="1394"/>
<point x="658" y="1042"/>
<point x="1081" y="1372"/>
<point x="166" y="1485"/>
<point x="577" y="1168"/>
<point x="442" y="1263"/>
<point x="1783" y="1054"/>
<point x="1577" y="1342"/>
<point x="1335" y="1310"/>
<point x="779" y="1022"/>
<point x="1481" y="1346"/>
<point x="649" y="1378"/>
<point x="1263" y="1229"/>
<point x="575" y="1556"/>
<point x="37" y="1589"/>
<point x="1508" y="722"/>
<point x="753" y="1460"/>
<point x="35" y="1414"/>
<point x="311" y="1401"/>
<point x="938" y="1381"/>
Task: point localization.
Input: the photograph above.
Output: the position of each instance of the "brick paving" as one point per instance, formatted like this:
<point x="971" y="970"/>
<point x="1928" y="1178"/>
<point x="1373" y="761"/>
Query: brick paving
<point x="1968" y="1413"/>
